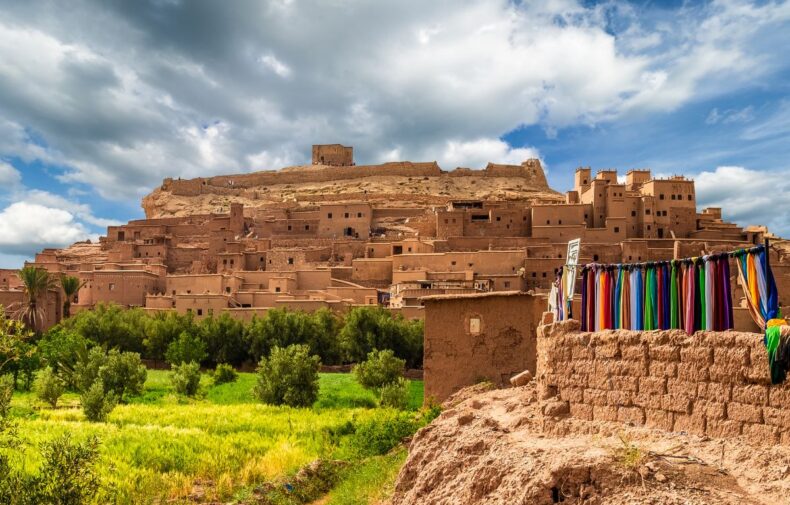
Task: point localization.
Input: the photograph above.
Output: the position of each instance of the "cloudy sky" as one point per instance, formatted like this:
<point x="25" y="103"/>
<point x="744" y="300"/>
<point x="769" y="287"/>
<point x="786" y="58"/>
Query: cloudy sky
<point x="100" y="100"/>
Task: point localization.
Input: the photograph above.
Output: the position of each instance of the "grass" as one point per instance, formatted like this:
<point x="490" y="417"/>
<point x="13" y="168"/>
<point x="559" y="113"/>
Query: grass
<point x="221" y="446"/>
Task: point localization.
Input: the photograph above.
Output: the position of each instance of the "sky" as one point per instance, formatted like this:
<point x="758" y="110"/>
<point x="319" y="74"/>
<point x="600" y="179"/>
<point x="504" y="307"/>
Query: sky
<point x="101" y="100"/>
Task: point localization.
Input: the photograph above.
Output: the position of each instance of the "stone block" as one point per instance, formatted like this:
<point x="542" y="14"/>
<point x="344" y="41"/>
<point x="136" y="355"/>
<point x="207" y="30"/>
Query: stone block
<point x="719" y="428"/>
<point x="663" y="369"/>
<point x="648" y="400"/>
<point x="571" y="394"/>
<point x="744" y="412"/>
<point x="633" y="415"/>
<point x="701" y="356"/>
<point x="585" y="367"/>
<point x="727" y="374"/>
<point x="779" y="396"/>
<point x="625" y="383"/>
<point x="751" y="394"/>
<point x="607" y="351"/>
<point x="600" y="380"/>
<point x="714" y="391"/>
<point x="710" y="409"/>
<point x="605" y="413"/>
<point x="654" y="385"/>
<point x="637" y="352"/>
<point x="692" y="373"/>
<point x="619" y="398"/>
<point x="731" y="357"/>
<point x="761" y="434"/>
<point x="521" y="379"/>
<point x="676" y="403"/>
<point x="664" y="352"/>
<point x="594" y="397"/>
<point x="556" y="408"/>
<point x="690" y="423"/>
<point x="581" y="411"/>
<point x="682" y="388"/>
<point x="582" y="353"/>
<point x="659" y="419"/>
<point x="777" y="417"/>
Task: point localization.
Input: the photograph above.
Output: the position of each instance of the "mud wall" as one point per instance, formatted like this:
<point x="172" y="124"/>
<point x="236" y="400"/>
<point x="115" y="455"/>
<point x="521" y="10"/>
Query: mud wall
<point x="711" y="383"/>
<point x="474" y="338"/>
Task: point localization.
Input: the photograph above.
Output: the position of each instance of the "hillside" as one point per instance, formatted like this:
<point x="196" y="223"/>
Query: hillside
<point x="402" y="184"/>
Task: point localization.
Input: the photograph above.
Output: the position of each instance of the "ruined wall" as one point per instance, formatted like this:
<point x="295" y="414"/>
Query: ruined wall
<point x="471" y="338"/>
<point x="711" y="383"/>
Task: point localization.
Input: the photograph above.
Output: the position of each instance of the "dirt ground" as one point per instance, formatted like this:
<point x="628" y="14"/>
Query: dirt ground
<point x="508" y="447"/>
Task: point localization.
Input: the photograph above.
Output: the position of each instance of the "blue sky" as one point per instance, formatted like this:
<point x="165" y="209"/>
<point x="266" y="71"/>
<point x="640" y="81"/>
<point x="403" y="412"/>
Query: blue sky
<point x="99" y="102"/>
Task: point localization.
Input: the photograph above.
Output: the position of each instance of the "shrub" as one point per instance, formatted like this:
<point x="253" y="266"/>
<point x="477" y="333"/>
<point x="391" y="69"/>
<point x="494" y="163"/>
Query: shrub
<point x="225" y="373"/>
<point x="6" y="392"/>
<point x="395" y="394"/>
<point x="164" y="328"/>
<point x="288" y="377"/>
<point x="187" y="348"/>
<point x="111" y="326"/>
<point x="282" y="327"/>
<point x="70" y="474"/>
<point x="97" y="403"/>
<point x="381" y="432"/>
<point x="186" y="378"/>
<point x="121" y="373"/>
<point x="62" y="348"/>
<point x="49" y="387"/>
<point x="380" y="369"/>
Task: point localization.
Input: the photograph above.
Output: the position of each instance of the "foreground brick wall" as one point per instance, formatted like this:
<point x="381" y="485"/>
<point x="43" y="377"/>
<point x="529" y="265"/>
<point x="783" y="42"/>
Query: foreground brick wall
<point x="712" y="383"/>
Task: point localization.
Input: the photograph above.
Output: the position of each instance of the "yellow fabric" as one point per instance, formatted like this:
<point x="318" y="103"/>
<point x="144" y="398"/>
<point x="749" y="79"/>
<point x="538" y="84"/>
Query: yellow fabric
<point x="751" y="299"/>
<point x="753" y="289"/>
<point x="776" y="322"/>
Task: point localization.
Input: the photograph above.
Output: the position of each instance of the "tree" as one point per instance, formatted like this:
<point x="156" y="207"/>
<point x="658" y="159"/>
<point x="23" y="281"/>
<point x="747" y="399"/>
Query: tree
<point x="224" y="338"/>
<point x="288" y="377"/>
<point x="36" y="284"/>
<point x="186" y="378"/>
<point x="49" y="387"/>
<point x="370" y="328"/>
<point x="187" y="348"/>
<point x="164" y="328"/>
<point x="13" y="337"/>
<point x="380" y="369"/>
<point x="71" y="285"/>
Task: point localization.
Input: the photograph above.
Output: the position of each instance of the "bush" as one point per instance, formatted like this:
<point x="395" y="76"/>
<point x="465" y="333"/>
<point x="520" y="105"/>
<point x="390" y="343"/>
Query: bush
<point x="378" y="434"/>
<point x="395" y="394"/>
<point x="97" y="403"/>
<point x="164" y="328"/>
<point x="111" y="326"/>
<point x="69" y="474"/>
<point x="187" y="348"/>
<point x="380" y="369"/>
<point x="288" y="377"/>
<point x="6" y="392"/>
<point x="282" y="327"/>
<point x="225" y="373"/>
<point x="62" y="348"/>
<point x="186" y="378"/>
<point x="121" y="373"/>
<point x="49" y="387"/>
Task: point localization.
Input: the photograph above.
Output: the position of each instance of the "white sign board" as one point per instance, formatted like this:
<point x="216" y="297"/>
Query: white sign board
<point x="572" y="259"/>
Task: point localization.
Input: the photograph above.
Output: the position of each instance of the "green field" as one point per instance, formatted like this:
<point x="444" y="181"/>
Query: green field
<point x="224" y="446"/>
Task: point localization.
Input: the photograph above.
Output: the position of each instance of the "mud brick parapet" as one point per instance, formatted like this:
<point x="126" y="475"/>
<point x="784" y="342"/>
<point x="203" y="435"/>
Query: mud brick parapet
<point x="711" y="383"/>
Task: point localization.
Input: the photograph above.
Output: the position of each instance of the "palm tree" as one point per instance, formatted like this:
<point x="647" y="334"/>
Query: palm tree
<point x="37" y="282"/>
<point x="71" y="285"/>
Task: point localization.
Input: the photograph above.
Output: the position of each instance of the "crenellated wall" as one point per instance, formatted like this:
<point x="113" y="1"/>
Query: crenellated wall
<point x="710" y="383"/>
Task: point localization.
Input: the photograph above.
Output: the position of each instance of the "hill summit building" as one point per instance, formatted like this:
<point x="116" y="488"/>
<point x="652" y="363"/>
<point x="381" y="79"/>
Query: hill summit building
<point x="335" y="234"/>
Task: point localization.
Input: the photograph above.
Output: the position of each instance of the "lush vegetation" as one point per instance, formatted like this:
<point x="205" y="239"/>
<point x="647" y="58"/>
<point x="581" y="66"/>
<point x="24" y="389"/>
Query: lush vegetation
<point x="182" y="338"/>
<point x="223" y="445"/>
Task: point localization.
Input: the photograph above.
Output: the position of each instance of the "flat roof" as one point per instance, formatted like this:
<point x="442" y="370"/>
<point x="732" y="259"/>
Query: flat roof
<point x="491" y="294"/>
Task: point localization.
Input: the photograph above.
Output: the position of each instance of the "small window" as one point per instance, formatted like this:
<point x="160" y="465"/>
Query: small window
<point x="617" y="229"/>
<point x="446" y="221"/>
<point x="673" y="196"/>
<point x="277" y="289"/>
<point x="359" y="214"/>
<point x="346" y="215"/>
<point x="648" y="227"/>
<point x="227" y="289"/>
<point x="560" y="221"/>
<point x="647" y="211"/>
<point x="329" y="215"/>
<point x="200" y="312"/>
<point x="544" y="274"/>
<point x="498" y="218"/>
<point x="452" y="263"/>
<point x="507" y="284"/>
<point x="290" y="261"/>
<point x="633" y="213"/>
<point x="595" y="257"/>
<point x="112" y="286"/>
<point x="534" y="274"/>
<point x="548" y="221"/>
<point x="289" y="227"/>
<point x="307" y="227"/>
<point x="474" y="325"/>
<point x="689" y="197"/>
<point x="661" y="196"/>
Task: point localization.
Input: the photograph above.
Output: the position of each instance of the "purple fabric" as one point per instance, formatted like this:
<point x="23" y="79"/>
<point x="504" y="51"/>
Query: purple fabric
<point x="726" y="294"/>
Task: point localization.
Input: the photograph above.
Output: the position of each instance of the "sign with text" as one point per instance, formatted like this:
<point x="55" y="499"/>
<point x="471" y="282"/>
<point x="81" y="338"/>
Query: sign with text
<point x="572" y="259"/>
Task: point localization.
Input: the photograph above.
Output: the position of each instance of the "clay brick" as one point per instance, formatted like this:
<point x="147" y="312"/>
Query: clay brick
<point x="714" y="391"/>
<point x="777" y="417"/>
<point x="583" y="353"/>
<point x="664" y="352"/>
<point x="618" y="367"/>
<point x="647" y="400"/>
<point x="743" y="412"/>
<point x="682" y="388"/>
<point x="584" y="367"/>
<point x="654" y="385"/>
<point x="752" y="394"/>
<point x="758" y="357"/>
<point x="719" y="428"/>
<point x="619" y="398"/>
<point x="571" y="394"/>
<point x="720" y="340"/>
<point x="625" y="383"/>
<point x="726" y="374"/>
<point x="594" y="397"/>
<point x="659" y="419"/>
<point x="633" y="352"/>
<point x="572" y="380"/>
<point x="761" y="434"/>
<point x="676" y="403"/>
<point x="696" y="355"/>
<point x="779" y="396"/>
<point x="693" y="373"/>
<point x="784" y="438"/>
<point x="757" y="374"/>
<point x="731" y="356"/>
<point x="605" y="413"/>
<point x="607" y="351"/>
<point x="693" y="423"/>
<point x="600" y="380"/>
<point x="633" y="415"/>
<point x="710" y="409"/>
<point x="663" y="369"/>
<point x="581" y="411"/>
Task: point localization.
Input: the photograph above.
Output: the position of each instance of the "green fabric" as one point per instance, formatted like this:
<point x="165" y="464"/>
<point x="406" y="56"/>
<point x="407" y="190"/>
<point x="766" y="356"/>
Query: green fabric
<point x="772" y="339"/>
<point x="649" y="295"/>
<point x="673" y="304"/>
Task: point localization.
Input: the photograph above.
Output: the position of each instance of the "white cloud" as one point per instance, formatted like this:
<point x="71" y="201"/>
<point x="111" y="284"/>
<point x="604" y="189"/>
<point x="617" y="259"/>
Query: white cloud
<point x="10" y="177"/>
<point x="79" y="210"/>
<point x="27" y="227"/>
<point x="747" y="196"/>
<point x="477" y="153"/>
<point x="730" y="116"/>
<point x="276" y="65"/>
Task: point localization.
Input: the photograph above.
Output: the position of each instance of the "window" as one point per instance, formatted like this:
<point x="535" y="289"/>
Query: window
<point x="560" y="221"/>
<point x="617" y="229"/>
<point x="507" y="284"/>
<point x="647" y="211"/>
<point x="673" y="197"/>
<point x="225" y="262"/>
<point x="290" y="261"/>
<point x="585" y="216"/>
<point x="112" y="286"/>
<point x="346" y="216"/>
<point x="227" y="289"/>
<point x="498" y="218"/>
<point x="446" y="221"/>
<point x="307" y="227"/>
<point x="359" y="214"/>
<point x="474" y="325"/>
<point x="452" y="263"/>
<point x="534" y="274"/>
<point x="633" y="213"/>
<point x="277" y="289"/>
<point x="548" y="221"/>
<point x="544" y="274"/>
<point x="200" y="312"/>
<point x="231" y="262"/>
<point x="289" y="227"/>
<point x="689" y="197"/>
<point x="648" y="227"/>
<point x="329" y="215"/>
<point x="595" y="257"/>
<point x="661" y="196"/>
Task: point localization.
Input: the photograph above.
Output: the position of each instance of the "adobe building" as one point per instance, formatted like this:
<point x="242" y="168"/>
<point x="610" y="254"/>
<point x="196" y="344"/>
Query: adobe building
<point x="334" y="234"/>
<point x="471" y="338"/>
